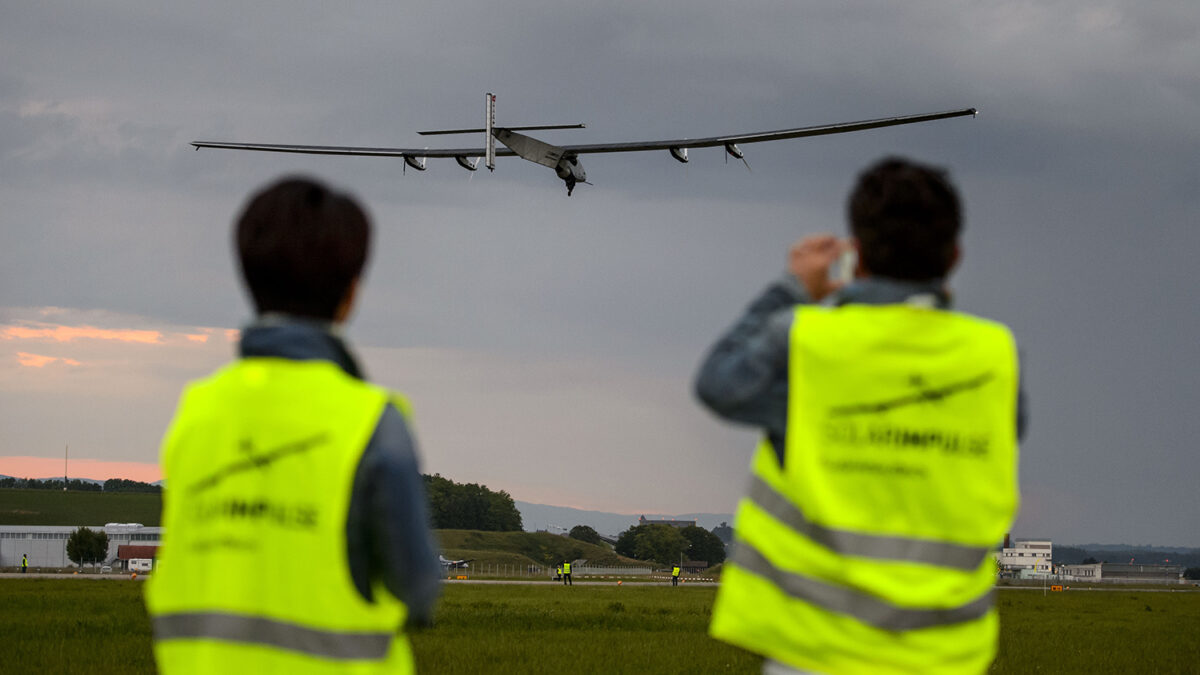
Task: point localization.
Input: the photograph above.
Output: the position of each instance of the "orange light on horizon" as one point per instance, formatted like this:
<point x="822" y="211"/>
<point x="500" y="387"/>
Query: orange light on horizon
<point x="40" y="361"/>
<point x="68" y="333"/>
<point x="34" y="360"/>
<point x="95" y="469"/>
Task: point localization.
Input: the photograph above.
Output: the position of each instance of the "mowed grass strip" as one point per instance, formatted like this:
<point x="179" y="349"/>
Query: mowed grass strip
<point x="50" y="507"/>
<point x="576" y="630"/>
<point x="100" y="626"/>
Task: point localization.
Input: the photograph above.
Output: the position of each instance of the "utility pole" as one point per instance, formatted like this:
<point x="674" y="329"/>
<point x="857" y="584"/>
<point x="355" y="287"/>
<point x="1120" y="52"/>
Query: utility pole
<point x="66" y="457"/>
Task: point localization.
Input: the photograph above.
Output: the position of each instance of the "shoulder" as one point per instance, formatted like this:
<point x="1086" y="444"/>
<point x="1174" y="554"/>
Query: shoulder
<point x="391" y="447"/>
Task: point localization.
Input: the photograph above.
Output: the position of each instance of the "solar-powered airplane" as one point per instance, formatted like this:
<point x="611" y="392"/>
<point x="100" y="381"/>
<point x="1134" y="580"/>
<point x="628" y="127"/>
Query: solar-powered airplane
<point x="564" y="159"/>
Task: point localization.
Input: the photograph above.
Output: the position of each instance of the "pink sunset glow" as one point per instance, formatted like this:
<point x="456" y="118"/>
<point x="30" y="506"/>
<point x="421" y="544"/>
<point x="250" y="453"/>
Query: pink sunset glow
<point x="96" y="469"/>
<point x="69" y="333"/>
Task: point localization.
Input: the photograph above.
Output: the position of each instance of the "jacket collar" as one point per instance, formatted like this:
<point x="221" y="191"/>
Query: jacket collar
<point x="888" y="291"/>
<point x="299" y="339"/>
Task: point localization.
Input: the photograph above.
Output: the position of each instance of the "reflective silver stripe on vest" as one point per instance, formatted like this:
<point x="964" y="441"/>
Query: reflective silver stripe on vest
<point x="843" y="542"/>
<point x="868" y="609"/>
<point x="261" y="631"/>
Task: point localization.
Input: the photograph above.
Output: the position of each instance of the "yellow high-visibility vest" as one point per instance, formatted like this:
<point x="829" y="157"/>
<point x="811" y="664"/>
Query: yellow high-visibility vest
<point x="259" y="464"/>
<point x="566" y="568"/>
<point x="674" y="571"/>
<point x="868" y="549"/>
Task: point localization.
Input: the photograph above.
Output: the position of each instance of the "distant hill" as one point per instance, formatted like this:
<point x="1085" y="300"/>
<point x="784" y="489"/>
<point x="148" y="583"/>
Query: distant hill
<point x="1136" y="547"/>
<point x="93" y="481"/>
<point x="1121" y="553"/>
<point x="546" y="517"/>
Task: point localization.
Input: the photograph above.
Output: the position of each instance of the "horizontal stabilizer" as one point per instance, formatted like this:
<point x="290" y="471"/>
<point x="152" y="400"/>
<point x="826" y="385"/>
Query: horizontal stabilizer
<point x="540" y="127"/>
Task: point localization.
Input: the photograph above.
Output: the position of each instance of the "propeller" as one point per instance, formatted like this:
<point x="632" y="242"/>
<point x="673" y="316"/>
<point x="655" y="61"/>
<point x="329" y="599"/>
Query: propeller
<point x="734" y="150"/>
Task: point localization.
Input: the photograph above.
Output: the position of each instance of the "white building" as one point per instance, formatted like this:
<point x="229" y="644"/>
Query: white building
<point x="46" y="545"/>
<point x="1027" y="558"/>
<point x="1124" y="572"/>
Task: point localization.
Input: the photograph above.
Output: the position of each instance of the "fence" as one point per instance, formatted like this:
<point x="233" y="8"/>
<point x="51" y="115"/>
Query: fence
<point x="536" y="571"/>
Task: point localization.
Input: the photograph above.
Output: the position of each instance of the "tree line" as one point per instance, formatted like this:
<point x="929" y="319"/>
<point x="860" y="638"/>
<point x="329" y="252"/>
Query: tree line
<point x="49" y="484"/>
<point x="1074" y="555"/>
<point x="76" y="485"/>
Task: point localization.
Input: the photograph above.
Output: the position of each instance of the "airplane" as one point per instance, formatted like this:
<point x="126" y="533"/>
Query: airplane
<point x="454" y="564"/>
<point x="564" y="159"/>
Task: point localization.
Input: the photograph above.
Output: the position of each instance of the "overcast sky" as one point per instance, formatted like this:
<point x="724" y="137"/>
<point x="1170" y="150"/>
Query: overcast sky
<point x="548" y="343"/>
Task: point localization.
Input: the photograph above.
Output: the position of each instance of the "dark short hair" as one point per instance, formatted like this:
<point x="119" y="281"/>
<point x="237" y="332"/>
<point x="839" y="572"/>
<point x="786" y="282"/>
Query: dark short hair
<point x="906" y="217"/>
<point x="301" y="245"/>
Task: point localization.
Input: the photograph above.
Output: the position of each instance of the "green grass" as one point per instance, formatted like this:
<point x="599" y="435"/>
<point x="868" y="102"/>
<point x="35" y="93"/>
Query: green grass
<point x="74" y="626"/>
<point x="50" y="507"/>
<point x="576" y="630"/>
<point x="100" y="626"/>
<point x="1110" y="631"/>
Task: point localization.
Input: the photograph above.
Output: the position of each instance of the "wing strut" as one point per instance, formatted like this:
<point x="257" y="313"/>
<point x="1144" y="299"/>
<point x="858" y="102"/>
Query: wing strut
<point x="491" y="140"/>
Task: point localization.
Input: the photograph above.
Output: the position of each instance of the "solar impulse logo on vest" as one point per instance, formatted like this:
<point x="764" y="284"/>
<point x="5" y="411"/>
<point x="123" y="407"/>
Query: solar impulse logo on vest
<point x="892" y="437"/>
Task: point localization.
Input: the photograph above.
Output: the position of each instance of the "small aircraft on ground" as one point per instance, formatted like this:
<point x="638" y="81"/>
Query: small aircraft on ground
<point x="454" y="564"/>
<point x="564" y="159"/>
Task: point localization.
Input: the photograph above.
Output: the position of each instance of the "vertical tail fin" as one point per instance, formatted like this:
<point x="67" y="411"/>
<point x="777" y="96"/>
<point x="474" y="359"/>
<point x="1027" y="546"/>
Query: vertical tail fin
<point x="490" y="139"/>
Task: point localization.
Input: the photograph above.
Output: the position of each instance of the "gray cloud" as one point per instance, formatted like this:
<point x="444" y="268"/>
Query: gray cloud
<point x="1079" y="175"/>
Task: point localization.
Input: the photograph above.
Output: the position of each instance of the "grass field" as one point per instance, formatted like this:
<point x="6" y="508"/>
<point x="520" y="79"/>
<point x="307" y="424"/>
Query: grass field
<point x="50" y="507"/>
<point x="74" y="625"/>
<point x="521" y="549"/>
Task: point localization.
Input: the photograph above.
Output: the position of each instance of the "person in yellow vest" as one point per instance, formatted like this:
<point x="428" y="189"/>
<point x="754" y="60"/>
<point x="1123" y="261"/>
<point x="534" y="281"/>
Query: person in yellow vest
<point x="887" y="469"/>
<point x="295" y="524"/>
<point x="675" y="575"/>
<point x="24" y="563"/>
<point x="566" y="574"/>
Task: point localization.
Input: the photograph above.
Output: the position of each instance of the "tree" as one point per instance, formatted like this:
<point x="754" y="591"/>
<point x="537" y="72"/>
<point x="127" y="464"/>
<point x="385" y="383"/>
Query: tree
<point x="87" y="546"/>
<point x="1192" y="573"/>
<point x="627" y="541"/>
<point x="1089" y="561"/>
<point x="470" y="506"/>
<point x="585" y="534"/>
<point x="724" y="532"/>
<point x="703" y="545"/>
<point x="662" y="544"/>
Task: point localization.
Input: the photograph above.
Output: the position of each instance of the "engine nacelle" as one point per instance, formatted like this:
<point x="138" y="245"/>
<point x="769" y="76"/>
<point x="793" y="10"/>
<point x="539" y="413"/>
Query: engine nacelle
<point x="466" y="163"/>
<point x="571" y="171"/>
<point x="734" y="151"/>
<point x="680" y="154"/>
<point x="417" y="163"/>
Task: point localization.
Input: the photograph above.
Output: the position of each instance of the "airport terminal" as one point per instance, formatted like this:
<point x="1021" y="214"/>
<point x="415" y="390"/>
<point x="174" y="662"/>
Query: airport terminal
<point x="1033" y="559"/>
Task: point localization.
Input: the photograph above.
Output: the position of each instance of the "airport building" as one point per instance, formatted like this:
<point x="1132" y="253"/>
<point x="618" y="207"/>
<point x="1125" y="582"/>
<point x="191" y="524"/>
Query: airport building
<point x="46" y="545"/>
<point x="1027" y="558"/>
<point x="673" y="523"/>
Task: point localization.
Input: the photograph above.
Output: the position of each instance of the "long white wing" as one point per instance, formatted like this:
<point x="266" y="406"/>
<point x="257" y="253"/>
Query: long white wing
<point x="636" y="146"/>
<point x="762" y="136"/>
<point x="352" y="150"/>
